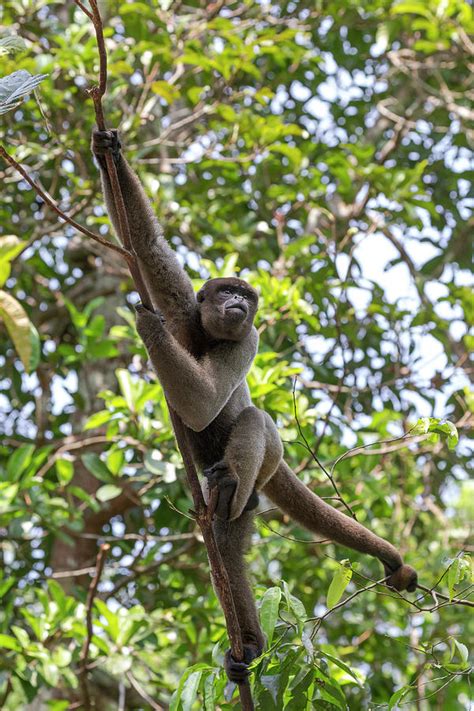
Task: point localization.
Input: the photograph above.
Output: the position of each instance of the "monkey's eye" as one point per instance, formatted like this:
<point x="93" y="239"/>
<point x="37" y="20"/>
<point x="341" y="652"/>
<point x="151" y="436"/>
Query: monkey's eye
<point x="227" y="292"/>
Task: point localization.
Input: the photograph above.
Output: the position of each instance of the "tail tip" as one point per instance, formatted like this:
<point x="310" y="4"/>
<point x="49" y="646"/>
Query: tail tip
<point x="404" y="578"/>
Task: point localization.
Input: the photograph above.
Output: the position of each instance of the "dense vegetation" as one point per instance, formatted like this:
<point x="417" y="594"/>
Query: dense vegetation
<point x="319" y="149"/>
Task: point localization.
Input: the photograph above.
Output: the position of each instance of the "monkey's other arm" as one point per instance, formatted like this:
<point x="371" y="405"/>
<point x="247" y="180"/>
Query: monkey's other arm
<point x="196" y="389"/>
<point x="169" y="285"/>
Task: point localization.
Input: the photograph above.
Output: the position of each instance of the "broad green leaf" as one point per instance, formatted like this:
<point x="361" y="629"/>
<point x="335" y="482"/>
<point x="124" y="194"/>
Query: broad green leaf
<point x="22" y="332"/>
<point x="339" y="583"/>
<point x="65" y="471"/>
<point x="209" y="693"/>
<point x="96" y="466"/>
<point x="398" y="696"/>
<point x="115" y="461"/>
<point x="189" y="690"/>
<point x="8" y="642"/>
<point x="462" y="649"/>
<point x="126" y="386"/>
<point x="269" y="612"/>
<point x="342" y="665"/>
<point x="179" y="700"/>
<point x="98" y="419"/>
<point x="107" y="492"/>
<point x="167" y="91"/>
<point x="10" y="247"/>
<point x="19" y="461"/>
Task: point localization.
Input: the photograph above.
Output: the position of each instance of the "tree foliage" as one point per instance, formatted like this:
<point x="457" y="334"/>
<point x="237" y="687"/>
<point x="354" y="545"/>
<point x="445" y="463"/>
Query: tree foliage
<point x="320" y="150"/>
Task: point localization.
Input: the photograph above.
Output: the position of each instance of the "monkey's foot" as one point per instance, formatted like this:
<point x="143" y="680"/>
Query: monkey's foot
<point x="403" y="578"/>
<point x="253" y="501"/>
<point x="104" y="142"/>
<point x="238" y="672"/>
<point x="219" y="476"/>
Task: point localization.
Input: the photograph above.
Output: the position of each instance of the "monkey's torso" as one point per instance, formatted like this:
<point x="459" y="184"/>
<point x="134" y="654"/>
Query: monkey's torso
<point x="208" y="446"/>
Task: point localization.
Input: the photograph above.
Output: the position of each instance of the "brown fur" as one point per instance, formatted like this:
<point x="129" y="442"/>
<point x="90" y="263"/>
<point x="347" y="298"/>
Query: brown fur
<point x="202" y="352"/>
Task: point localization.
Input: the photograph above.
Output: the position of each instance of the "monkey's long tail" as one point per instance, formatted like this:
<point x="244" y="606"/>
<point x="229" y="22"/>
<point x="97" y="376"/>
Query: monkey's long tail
<point x="309" y="510"/>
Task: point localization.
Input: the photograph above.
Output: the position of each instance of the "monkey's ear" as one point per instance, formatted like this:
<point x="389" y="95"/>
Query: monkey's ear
<point x="200" y="296"/>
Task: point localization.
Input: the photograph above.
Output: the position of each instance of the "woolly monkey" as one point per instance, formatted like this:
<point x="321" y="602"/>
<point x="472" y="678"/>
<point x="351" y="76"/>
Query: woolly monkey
<point x="202" y="347"/>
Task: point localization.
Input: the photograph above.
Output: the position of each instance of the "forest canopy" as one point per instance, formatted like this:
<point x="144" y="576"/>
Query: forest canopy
<point x="323" y="152"/>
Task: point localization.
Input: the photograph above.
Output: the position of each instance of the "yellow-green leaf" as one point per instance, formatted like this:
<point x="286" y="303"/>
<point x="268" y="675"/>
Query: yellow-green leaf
<point x="10" y="247"/>
<point x="22" y="332"/>
<point x="167" y="91"/>
<point x="339" y="583"/>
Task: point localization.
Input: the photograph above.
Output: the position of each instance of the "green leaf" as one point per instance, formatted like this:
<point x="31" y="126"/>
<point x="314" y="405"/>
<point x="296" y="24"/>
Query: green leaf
<point x="22" y="332"/>
<point x="269" y="612"/>
<point x="444" y="428"/>
<point x="342" y="665"/>
<point x="189" y="690"/>
<point x="462" y="650"/>
<point x="107" y="492"/>
<point x="398" y="696"/>
<point x="7" y="642"/>
<point x="454" y="576"/>
<point x="126" y="386"/>
<point x="96" y="466"/>
<point x="182" y="699"/>
<point x="209" y="693"/>
<point x="339" y="583"/>
<point x="64" y="470"/>
<point x="19" y="461"/>
<point x="98" y="419"/>
<point x="115" y="461"/>
<point x="413" y="8"/>
<point x="10" y="247"/>
<point x="167" y="91"/>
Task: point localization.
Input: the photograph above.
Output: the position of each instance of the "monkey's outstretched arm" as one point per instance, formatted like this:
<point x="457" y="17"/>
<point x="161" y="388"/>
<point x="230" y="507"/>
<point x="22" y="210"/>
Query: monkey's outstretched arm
<point x="169" y="285"/>
<point x="196" y="389"/>
<point x="295" y="499"/>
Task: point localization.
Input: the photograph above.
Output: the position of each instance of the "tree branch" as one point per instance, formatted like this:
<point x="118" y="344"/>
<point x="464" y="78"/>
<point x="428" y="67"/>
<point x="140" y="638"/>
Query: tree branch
<point x="101" y="556"/>
<point x="50" y="202"/>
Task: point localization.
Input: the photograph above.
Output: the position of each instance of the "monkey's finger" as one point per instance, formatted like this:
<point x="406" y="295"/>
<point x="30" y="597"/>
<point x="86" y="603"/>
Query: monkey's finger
<point x="142" y="309"/>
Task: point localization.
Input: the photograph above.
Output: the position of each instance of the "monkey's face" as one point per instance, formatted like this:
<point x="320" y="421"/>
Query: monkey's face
<point x="227" y="308"/>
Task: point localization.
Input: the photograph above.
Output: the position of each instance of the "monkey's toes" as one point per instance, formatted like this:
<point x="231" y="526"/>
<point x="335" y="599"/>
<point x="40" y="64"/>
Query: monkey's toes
<point x="404" y="578"/>
<point x="237" y="672"/>
<point x="218" y="476"/>
<point x="216" y="473"/>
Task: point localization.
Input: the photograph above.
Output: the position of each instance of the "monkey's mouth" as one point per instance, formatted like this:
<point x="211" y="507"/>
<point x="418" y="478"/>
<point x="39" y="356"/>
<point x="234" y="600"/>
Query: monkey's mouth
<point x="237" y="307"/>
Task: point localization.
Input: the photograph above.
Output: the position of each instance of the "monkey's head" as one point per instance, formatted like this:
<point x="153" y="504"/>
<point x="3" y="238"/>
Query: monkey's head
<point x="227" y="307"/>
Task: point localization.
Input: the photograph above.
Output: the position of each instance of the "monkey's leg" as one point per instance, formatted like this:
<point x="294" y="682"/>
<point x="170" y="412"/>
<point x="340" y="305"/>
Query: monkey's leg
<point x="233" y="538"/>
<point x="295" y="499"/>
<point x="252" y="454"/>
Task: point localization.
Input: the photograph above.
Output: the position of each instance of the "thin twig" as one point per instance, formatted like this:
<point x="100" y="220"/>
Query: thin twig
<point x="141" y="691"/>
<point x="50" y="202"/>
<point x="101" y="556"/>
<point x="97" y="92"/>
<point x="452" y="600"/>
<point x="317" y="460"/>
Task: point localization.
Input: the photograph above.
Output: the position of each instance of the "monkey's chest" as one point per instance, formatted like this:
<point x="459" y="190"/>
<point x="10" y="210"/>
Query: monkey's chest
<point x="208" y="446"/>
